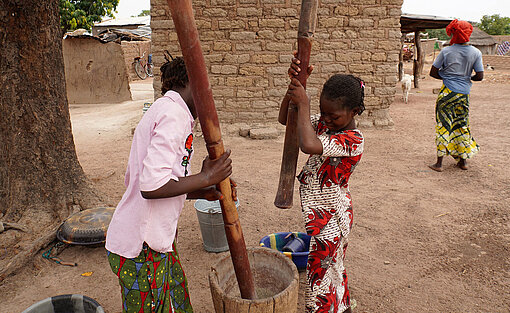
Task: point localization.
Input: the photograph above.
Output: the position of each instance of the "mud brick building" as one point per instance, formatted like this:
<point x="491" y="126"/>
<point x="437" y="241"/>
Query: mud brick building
<point x="248" y="44"/>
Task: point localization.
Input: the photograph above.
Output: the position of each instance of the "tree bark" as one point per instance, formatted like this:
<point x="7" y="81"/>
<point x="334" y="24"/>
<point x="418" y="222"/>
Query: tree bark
<point x="40" y="176"/>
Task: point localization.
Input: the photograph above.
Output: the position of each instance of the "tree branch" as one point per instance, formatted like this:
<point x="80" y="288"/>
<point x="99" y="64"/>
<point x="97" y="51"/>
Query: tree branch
<point x="21" y="258"/>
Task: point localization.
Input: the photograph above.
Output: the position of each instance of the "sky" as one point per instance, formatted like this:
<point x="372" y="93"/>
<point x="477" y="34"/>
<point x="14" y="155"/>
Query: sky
<point x="127" y="8"/>
<point x="470" y="10"/>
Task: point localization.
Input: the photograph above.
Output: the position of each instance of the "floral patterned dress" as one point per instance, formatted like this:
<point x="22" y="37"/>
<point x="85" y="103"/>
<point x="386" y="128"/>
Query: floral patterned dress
<point x="327" y="212"/>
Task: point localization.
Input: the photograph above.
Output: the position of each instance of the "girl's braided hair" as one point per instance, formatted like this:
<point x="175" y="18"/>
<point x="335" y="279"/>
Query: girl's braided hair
<point x="348" y="88"/>
<point x="173" y="73"/>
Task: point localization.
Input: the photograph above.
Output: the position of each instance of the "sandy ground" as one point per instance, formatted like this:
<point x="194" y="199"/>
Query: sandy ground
<point x="422" y="241"/>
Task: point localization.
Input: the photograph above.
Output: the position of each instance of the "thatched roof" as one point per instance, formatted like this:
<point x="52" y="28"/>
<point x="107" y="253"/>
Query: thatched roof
<point x="481" y="38"/>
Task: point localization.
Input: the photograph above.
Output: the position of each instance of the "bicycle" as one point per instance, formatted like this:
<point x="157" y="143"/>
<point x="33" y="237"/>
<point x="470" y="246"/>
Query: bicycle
<point x="143" y="68"/>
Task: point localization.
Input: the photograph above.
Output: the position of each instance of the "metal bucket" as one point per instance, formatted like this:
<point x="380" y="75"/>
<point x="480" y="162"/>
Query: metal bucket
<point x="211" y="225"/>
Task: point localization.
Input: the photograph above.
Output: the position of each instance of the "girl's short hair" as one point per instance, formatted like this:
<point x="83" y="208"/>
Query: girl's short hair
<point x="173" y="74"/>
<point x="347" y="88"/>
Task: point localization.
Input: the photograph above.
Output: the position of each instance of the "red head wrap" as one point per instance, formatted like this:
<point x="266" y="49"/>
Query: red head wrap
<point x="460" y="31"/>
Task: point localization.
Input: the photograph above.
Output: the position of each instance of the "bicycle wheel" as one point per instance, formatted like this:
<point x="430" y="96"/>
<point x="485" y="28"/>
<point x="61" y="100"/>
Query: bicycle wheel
<point x="149" y="70"/>
<point x="139" y="70"/>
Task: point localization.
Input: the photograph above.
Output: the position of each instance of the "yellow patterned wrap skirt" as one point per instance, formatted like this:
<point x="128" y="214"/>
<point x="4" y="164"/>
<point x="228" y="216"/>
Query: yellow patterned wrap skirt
<point x="453" y="136"/>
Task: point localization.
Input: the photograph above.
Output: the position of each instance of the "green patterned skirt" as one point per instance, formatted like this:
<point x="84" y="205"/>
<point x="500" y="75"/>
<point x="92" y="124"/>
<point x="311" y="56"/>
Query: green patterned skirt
<point x="153" y="282"/>
<point x="453" y="136"/>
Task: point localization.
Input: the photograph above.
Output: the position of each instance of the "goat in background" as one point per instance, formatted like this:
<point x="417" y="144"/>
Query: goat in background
<point x="406" y="86"/>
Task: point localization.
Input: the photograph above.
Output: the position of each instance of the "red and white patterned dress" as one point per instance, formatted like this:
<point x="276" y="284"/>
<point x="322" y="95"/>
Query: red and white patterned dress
<point x="327" y="211"/>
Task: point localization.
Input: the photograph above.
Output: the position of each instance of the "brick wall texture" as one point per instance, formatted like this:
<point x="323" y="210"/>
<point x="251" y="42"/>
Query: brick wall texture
<point x="501" y="38"/>
<point x="497" y="61"/>
<point x="248" y="44"/>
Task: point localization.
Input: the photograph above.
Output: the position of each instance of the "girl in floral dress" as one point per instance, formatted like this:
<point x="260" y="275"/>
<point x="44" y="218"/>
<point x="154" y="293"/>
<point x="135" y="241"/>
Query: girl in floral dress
<point x="335" y="147"/>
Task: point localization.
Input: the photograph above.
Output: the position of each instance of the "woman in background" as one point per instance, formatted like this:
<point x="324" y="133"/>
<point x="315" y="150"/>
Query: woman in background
<point x="454" y="66"/>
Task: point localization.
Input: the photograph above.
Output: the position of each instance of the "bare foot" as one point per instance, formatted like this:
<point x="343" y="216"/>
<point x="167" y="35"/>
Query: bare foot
<point x="436" y="167"/>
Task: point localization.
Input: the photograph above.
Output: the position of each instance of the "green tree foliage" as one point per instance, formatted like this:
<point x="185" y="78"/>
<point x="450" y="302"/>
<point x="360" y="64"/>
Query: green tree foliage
<point x="145" y="13"/>
<point x="438" y="33"/>
<point x="495" y="24"/>
<point x="76" y="14"/>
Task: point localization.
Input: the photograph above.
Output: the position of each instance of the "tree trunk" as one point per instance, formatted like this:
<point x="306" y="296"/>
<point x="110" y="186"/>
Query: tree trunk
<point x="40" y="176"/>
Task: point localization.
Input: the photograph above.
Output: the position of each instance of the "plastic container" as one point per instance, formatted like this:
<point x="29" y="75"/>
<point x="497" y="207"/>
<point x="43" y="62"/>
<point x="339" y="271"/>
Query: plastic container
<point x="146" y="106"/>
<point x="278" y="241"/>
<point x="295" y="244"/>
<point x="66" y="303"/>
<point x="211" y="225"/>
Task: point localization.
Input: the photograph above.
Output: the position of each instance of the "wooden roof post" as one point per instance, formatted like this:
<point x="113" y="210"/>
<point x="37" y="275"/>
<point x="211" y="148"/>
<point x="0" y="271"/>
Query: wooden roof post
<point x="418" y="59"/>
<point x="401" y="58"/>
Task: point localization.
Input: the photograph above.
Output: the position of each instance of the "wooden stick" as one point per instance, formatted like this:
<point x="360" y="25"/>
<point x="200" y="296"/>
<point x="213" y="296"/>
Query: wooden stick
<point x="306" y="29"/>
<point x="185" y="26"/>
<point x="442" y="214"/>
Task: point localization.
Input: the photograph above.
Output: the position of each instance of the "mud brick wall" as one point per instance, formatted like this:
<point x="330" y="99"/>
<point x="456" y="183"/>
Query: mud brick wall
<point x="497" y="61"/>
<point x="131" y="50"/>
<point x="90" y="65"/>
<point x="248" y="44"/>
<point x="501" y="38"/>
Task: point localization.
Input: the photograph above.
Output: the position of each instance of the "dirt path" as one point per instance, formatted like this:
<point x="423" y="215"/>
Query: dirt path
<point x="422" y="241"/>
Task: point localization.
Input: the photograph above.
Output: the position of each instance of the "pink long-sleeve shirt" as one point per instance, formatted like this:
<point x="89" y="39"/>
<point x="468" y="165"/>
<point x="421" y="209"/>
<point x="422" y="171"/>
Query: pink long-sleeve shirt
<point x="161" y="150"/>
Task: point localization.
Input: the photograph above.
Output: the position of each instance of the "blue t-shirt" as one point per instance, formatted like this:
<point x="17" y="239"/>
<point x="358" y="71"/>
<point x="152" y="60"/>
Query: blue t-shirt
<point x="456" y="64"/>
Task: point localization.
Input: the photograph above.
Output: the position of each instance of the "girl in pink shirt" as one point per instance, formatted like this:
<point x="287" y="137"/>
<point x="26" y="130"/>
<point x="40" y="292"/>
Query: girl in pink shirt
<point x="140" y="238"/>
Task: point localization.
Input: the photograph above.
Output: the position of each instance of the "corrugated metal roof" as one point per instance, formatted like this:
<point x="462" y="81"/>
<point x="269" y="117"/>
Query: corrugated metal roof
<point x="414" y="22"/>
<point x="426" y="17"/>
<point x="142" y="31"/>
<point x="117" y="22"/>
